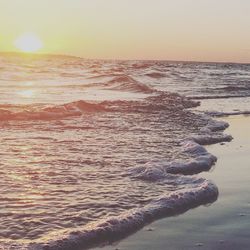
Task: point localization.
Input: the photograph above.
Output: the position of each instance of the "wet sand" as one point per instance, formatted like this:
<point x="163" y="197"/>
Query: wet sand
<point x="224" y="224"/>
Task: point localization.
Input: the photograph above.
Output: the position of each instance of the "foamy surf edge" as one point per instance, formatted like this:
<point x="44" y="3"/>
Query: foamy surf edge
<point x="201" y="192"/>
<point x="197" y="158"/>
<point x="197" y="191"/>
<point x="222" y="114"/>
<point x="212" y="133"/>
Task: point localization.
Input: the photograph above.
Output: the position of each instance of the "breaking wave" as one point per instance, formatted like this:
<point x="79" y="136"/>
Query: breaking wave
<point x="199" y="192"/>
<point x="169" y="101"/>
<point x="51" y="112"/>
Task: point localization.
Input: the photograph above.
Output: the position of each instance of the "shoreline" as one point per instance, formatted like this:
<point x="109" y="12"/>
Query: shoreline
<point x="223" y="224"/>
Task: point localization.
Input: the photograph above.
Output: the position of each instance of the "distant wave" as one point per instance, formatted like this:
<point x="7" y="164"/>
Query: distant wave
<point x="156" y="75"/>
<point x="101" y="75"/>
<point x="127" y="83"/>
<point x="161" y="101"/>
<point x="142" y="65"/>
<point x="120" y="82"/>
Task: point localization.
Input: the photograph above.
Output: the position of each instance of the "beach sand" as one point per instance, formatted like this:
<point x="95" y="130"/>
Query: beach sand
<point x="224" y="224"/>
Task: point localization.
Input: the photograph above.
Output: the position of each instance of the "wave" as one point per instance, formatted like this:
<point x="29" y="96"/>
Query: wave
<point x="200" y="160"/>
<point x="199" y="192"/>
<point x="197" y="160"/>
<point x="210" y="133"/>
<point x="162" y="171"/>
<point x="156" y="75"/>
<point x="159" y="102"/>
<point x="127" y="83"/>
<point x="120" y="82"/>
<point x="142" y="65"/>
<point x="99" y="75"/>
<point x="51" y="112"/>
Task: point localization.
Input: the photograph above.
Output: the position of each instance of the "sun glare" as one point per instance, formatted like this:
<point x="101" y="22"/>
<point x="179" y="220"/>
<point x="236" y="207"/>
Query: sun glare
<point x="28" y="43"/>
<point x="26" y="93"/>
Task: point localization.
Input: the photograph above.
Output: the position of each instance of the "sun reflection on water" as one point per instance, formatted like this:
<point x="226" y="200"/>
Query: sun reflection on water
<point x="28" y="84"/>
<point x="28" y="93"/>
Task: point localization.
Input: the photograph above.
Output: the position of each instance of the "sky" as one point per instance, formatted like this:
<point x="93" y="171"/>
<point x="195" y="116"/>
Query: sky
<point x="200" y="30"/>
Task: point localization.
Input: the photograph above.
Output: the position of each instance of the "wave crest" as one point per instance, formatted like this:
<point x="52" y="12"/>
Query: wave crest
<point x="52" y="112"/>
<point x="112" y="229"/>
<point x="156" y="75"/>
<point x="127" y="83"/>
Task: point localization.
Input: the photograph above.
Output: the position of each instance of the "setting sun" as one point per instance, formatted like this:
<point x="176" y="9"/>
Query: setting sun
<point x="28" y="43"/>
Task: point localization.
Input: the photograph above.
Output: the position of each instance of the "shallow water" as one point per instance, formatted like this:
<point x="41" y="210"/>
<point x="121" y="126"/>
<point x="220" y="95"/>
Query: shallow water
<point x="222" y="226"/>
<point x="85" y="141"/>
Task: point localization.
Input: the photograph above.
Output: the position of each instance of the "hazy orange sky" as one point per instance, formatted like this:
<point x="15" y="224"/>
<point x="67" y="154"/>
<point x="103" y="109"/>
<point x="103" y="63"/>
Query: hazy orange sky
<point x="204" y="30"/>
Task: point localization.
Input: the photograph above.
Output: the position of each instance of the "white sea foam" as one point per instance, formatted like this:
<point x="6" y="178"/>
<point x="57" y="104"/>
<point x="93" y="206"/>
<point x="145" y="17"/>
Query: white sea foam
<point x="214" y="125"/>
<point x="221" y="114"/>
<point x="212" y="139"/>
<point x="200" y="192"/>
<point x="210" y="133"/>
<point x="199" y="160"/>
<point x="194" y="166"/>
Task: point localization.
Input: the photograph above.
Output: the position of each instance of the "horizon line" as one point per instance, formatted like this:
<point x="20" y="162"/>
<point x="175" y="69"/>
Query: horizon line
<point x="27" y="54"/>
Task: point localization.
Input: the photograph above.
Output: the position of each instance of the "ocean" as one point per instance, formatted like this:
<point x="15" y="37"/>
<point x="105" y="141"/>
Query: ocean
<point x="94" y="150"/>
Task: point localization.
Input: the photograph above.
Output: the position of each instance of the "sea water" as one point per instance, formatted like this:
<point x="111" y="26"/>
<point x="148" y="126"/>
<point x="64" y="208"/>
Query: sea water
<point x="93" y="150"/>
